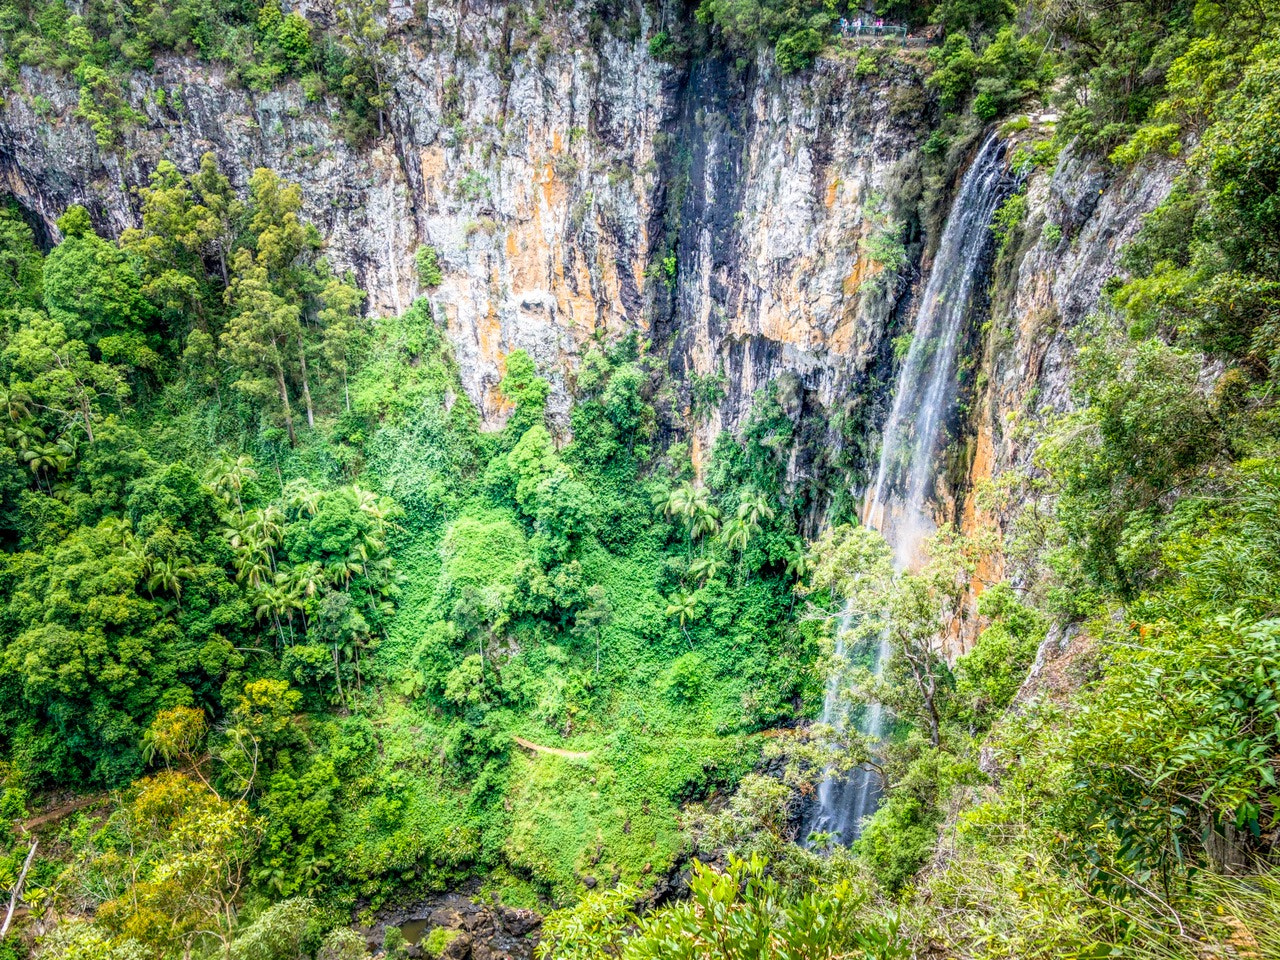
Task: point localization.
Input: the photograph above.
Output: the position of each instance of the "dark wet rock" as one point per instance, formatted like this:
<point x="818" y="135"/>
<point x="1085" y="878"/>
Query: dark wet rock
<point x="485" y="931"/>
<point x="519" y="922"/>
<point x="459" y="948"/>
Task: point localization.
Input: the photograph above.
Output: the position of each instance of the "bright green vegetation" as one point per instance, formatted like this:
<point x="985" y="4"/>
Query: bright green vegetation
<point x="100" y="42"/>
<point x="1125" y="805"/>
<point x="266" y="576"/>
<point x="317" y="642"/>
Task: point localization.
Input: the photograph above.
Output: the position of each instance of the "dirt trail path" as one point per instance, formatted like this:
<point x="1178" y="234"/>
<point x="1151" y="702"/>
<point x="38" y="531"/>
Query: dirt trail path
<point x="539" y="748"/>
<point x="60" y="811"/>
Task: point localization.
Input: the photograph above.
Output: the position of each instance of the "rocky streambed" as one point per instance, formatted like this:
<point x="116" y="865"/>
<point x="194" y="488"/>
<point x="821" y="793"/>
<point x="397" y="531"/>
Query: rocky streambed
<point x="459" y="926"/>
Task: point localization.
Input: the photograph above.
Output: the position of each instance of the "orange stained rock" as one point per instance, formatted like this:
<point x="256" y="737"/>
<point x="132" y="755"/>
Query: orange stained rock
<point x="990" y="566"/>
<point x="494" y="401"/>
<point x="431" y="161"/>
<point x="784" y="319"/>
<point x="489" y="337"/>
<point x="545" y="176"/>
<point x="841" y="339"/>
<point x="864" y="268"/>
<point x="638" y="266"/>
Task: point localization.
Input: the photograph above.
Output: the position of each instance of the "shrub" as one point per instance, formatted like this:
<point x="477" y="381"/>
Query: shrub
<point x="1008" y="220"/>
<point x="986" y="106"/>
<point x="435" y="942"/>
<point x="897" y="839"/>
<point x="661" y="46"/>
<point x="796" y="50"/>
<point x="428" y="261"/>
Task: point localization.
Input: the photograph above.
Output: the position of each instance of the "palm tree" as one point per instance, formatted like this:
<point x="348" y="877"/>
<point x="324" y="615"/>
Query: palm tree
<point x="228" y="477"/>
<point x="43" y="458"/>
<point x="737" y="534"/>
<point x="697" y="499"/>
<point x="309" y="579"/>
<point x="266" y="524"/>
<point x="265" y="527"/>
<point x="799" y="563"/>
<point x="302" y="497"/>
<point x="291" y="599"/>
<point x="384" y="581"/>
<point x="661" y="500"/>
<point x="754" y="508"/>
<point x="675" y="501"/>
<point x="342" y="569"/>
<point x="358" y="559"/>
<point x="684" y="501"/>
<point x="23" y="432"/>
<point x="273" y="601"/>
<point x="236" y="534"/>
<point x="382" y="510"/>
<point x="252" y="566"/>
<point x="366" y="500"/>
<point x="706" y="518"/>
<point x="14" y="404"/>
<point x="685" y="607"/>
<point x="705" y="568"/>
<point x="373" y="544"/>
<point x="168" y="575"/>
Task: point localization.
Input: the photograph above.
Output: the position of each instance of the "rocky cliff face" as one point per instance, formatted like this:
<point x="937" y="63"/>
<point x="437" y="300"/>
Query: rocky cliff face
<point x="1079" y="217"/>
<point x="784" y="183"/>
<point x="571" y="184"/>
<point x="575" y="187"/>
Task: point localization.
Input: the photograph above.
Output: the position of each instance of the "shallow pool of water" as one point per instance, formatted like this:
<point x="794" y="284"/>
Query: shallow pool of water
<point x="414" y="930"/>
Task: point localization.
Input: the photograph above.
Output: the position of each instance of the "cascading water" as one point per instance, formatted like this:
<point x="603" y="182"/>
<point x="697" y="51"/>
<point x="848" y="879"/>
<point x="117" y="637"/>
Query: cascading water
<point x="897" y="501"/>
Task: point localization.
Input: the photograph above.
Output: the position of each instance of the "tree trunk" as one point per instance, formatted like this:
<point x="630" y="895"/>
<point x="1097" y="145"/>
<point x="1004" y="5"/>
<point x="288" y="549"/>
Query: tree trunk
<point x="930" y="694"/>
<point x="306" y="385"/>
<point x="88" y="419"/>
<point x="337" y="675"/>
<point x="17" y="889"/>
<point x="284" y="402"/>
<point x="920" y="672"/>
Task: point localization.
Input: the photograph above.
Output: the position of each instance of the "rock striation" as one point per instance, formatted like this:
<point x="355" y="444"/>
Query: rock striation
<point x="575" y="187"/>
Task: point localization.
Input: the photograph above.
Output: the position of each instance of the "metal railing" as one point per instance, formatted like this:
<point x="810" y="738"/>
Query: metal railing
<point x="886" y="31"/>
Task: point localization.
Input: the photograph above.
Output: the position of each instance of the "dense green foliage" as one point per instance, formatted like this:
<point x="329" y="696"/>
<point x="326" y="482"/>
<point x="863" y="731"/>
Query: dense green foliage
<point x="1100" y="819"/>
<point x="99" y="42"/>
<point x="258" y="541"/>
<point x="320" y="643"/>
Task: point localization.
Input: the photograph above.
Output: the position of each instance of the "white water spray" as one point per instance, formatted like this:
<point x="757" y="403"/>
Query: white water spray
<point x="897" y="503"/>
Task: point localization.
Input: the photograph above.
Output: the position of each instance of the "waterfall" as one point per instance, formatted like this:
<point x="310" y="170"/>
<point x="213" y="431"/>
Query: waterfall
<point x="897" y="503"/>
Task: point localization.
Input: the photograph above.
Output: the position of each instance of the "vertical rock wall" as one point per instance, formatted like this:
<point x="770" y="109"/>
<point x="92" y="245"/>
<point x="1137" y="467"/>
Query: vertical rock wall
<point x="575" y="187"/>
<point x="554" y="172"/>
<point x="1079" y="217"/>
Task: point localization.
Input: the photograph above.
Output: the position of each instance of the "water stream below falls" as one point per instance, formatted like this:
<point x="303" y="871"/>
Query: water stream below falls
<point x="898" y="501"/>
